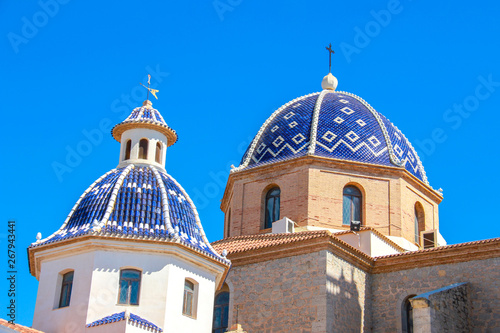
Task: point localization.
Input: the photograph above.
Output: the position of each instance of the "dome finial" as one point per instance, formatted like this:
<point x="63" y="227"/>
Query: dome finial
<point x="330" y="52"/>
<point x="150" y="90"/>
<point x="329" y="81"/>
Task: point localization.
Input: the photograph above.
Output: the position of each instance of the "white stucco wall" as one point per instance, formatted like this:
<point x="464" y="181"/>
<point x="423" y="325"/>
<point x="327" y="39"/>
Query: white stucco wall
<point x="369" y="243"/>
<point x="48" y="317"/>
<point x="136" y="134"/>
<point x="162" y="289"/>
<point x="379" y="247"/>
<point x="174" y="319"/>
<point x="404" y="243"/>
<point x="95" y="291"/>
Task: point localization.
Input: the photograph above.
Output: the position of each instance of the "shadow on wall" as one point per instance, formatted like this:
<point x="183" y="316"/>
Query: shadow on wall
<point x="344" y="313"/>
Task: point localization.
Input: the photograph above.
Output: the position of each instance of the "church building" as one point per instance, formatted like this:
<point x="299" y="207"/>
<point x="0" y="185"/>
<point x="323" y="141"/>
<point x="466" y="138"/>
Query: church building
<point x="330" y="225"/>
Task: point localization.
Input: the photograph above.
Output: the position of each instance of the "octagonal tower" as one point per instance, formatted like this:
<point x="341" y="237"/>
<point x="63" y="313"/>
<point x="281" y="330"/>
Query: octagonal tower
<point x="335" y="160"/>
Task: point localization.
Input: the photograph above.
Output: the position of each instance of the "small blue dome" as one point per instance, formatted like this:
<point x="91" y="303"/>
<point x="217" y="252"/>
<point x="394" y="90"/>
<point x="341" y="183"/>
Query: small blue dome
<point x="331" y="124"/>
<point x="138" y="202"/>
<point x="145" y="117"/>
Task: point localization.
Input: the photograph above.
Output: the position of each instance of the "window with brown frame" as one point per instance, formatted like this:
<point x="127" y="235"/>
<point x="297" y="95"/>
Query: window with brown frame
<point x="66" y="287"/>
<point x="189" y="299"/>
<point x="130" y="284"/>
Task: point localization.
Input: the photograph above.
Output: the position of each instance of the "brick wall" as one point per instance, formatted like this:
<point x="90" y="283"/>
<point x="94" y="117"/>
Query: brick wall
<point x="312" y="194"/>
<point x="247" y="214"/>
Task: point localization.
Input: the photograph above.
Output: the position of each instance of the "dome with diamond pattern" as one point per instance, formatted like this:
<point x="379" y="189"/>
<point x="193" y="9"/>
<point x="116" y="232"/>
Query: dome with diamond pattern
<point x="331" y="124"/>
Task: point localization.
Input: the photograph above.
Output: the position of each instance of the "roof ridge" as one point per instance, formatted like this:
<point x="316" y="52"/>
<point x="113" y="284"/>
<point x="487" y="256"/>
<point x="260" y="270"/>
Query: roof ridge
<point x="419" y="162"/>
<point x="165" y="206"/>
<point x="90" y="188"/>
<point x="271" y="235"/>
<point x="264" y="126"/>
<point x="394" y="159"/>
<point x="119" y="316"/>
<point x="114" y="193"/>
<point x="441" y="248"/>
<point x="313" y="134"/>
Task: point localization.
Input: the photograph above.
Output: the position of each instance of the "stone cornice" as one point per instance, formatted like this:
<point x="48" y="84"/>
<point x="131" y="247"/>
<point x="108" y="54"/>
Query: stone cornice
<point x="450" y="254"/>
<point x="324" y="241"/>
<point x="93" y="242"/>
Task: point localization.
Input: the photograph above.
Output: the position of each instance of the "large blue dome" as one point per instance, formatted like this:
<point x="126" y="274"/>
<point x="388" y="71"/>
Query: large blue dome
<point x="137" y="201"/>
<point x="331" y="124"/>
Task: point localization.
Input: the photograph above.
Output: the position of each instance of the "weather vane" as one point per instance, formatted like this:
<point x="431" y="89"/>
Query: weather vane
<point x="150" y="90"/>
<point x="330" y="51"/>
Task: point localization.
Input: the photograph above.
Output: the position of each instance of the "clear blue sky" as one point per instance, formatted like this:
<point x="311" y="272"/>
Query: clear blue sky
<point x="222" y="67"/>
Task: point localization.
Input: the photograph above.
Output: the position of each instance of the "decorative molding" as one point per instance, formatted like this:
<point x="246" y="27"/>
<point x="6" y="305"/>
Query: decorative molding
<point x="196" y="215"/>
<point x="165" y="208"/>
<point x="112" y="200"/>
<point x="264" y="126"/>
<point x="450" y="254"/>
<point x="75" y="206"/>
<point x="314" y="122"/>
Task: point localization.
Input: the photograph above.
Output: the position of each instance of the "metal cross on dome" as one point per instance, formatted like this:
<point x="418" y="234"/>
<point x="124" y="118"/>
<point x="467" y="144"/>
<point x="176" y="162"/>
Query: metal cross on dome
<point x="330" y="51"/>
<point x="150" y="90"/>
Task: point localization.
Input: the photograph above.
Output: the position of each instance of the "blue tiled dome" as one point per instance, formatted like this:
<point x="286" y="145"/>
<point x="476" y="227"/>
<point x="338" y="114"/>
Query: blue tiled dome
<point x="335" y="125"/>
<point x="138" y="202"/>
<point x="145" y="117"/>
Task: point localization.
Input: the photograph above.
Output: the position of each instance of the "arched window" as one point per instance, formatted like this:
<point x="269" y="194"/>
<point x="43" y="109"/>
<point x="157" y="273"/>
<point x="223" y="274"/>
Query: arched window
<point x="272" y="207"/>
<point x="352" y="205"/>
<point x="128" y="147"/>
<point x="143" y="149"/>
<point x="221" y="312"/>
<point x="419" y="223"/>
<point x="158" y="153"/>
<point x="130" y="284"/>
<point x="407" y="315"/>
<point x="189" y="302"/>
<point x="66" y="287"/>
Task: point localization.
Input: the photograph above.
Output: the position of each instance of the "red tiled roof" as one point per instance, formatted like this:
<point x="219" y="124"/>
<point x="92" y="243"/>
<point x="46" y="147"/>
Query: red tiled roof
<point x="239" y="244"/>
<point x="442" y="248"/>
<point x="17" y="327"/>
<point x="253" y="242"/>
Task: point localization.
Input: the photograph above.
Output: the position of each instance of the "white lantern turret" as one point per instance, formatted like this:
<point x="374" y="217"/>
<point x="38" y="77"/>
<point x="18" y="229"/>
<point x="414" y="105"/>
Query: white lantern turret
<point x="144" y="137"/>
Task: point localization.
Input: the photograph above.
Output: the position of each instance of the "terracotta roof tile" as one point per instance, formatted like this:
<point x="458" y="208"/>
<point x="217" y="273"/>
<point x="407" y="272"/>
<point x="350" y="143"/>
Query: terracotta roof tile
<point x="442" y="248"/>
<point x="239" y="244"/>
<point x="253" y="242"/>
<point x="17" y="327"/>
